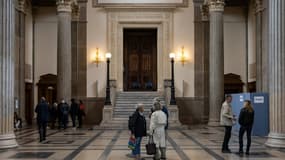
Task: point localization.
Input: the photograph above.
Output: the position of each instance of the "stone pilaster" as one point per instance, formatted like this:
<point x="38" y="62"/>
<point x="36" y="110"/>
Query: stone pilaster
<point x="216" y="96"/>
<point x="20" y="58"/>
<point x="64" y="50"/>
<point x="259" y="47"/>
<point x="276" y="73"/>
<point x="74" y="42"/>
<point x="7" y="30"/>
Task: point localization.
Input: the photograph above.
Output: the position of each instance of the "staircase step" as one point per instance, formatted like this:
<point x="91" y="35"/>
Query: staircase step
<point x="125" y="104"/>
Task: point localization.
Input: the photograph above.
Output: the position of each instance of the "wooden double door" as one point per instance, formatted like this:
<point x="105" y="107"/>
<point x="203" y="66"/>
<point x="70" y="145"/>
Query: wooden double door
<point x="140" y="59"/>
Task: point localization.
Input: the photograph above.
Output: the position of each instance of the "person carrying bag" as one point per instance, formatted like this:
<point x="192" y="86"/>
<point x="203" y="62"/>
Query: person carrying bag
<point x="158" y="122"/>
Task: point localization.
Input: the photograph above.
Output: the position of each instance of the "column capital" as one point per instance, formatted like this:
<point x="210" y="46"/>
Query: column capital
<point x="204" y="12"/>
<point x="21" y="5"/>
<point x="216" y="5"/>
<point x="258" y="6"/>
<point x="64" y="6"/>
<point x="75" y="12"/>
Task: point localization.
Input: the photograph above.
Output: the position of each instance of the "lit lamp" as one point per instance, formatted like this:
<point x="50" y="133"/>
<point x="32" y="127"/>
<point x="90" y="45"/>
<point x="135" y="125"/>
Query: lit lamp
<point x="108" y="98"/>
<point x="96" y="58"/>
<point x="172" y="99"/>
<point x="183" y="58"/>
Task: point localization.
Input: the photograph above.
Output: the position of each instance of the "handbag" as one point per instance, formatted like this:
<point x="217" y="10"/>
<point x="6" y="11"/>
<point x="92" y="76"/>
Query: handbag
<point x="150" y="146"/>
<point x="132" y="143"/>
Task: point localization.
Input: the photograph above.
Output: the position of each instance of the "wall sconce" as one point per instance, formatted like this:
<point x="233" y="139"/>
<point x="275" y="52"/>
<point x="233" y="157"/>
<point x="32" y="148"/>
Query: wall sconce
<point x="96" y="57"/>
<point x="183" y="58"/>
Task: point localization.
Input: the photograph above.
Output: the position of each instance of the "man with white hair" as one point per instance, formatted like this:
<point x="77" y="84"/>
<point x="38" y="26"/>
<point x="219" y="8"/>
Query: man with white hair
<point x="158" y="122"/>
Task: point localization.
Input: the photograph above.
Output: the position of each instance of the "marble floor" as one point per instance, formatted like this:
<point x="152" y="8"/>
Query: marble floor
<point x="199" y="143"/>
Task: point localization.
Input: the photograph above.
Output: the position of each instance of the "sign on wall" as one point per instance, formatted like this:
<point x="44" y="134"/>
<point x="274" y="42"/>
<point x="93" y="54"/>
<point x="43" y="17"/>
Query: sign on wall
<point x="140" y="3"/>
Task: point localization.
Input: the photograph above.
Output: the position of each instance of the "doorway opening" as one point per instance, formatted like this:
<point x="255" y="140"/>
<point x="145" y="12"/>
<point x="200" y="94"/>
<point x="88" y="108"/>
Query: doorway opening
<point x="140" y="59"/>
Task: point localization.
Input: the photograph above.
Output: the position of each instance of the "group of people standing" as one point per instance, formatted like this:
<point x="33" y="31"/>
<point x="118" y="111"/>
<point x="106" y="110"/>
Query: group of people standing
<point x="59" y="112"/>
<point x="157" y="129"/>
<point x="245" y="119"/>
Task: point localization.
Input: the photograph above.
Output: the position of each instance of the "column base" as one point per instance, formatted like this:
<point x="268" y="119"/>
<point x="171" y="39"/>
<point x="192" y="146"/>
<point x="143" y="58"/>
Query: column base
<point x="173" y="118"/>
<point x="214" y="123"/>
<point x="107" y="114"/>
<point x="276" y="140"/>
<point x="8" y="141"/>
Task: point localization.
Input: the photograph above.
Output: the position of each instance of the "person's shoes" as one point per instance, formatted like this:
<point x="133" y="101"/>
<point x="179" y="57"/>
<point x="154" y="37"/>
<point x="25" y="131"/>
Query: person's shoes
<point x="130" y="155"/>
<point x="226" y="151"/>
<point x="240" y="153"/>
<point x="247" y="153"/>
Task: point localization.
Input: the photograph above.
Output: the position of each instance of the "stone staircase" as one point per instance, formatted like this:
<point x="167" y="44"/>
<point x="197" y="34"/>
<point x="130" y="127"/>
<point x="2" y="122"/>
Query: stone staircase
<point x="125" y="105"/>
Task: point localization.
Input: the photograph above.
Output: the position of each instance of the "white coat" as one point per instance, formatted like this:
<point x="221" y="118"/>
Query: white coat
<point x="158" y="121"/>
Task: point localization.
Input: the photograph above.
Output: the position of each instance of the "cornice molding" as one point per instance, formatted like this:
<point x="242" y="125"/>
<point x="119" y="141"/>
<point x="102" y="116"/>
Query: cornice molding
<point x="98" y="4"/>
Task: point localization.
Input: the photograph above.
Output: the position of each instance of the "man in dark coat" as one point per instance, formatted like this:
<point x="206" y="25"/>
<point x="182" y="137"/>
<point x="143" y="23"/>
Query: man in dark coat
<point x="42" y="110"/>
<point x="74" y="108"/>
<point x="64" y="110"/>
<point x="138" y="129"/>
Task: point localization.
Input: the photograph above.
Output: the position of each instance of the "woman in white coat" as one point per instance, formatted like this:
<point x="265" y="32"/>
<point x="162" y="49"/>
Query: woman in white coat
<point x="158" y="122"/>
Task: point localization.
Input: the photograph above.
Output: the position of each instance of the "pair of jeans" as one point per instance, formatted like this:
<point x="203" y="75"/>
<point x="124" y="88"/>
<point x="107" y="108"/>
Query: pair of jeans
<point x="228" y="133"/>
<point x="242" y="130"/>
<point x="137" y="150"/>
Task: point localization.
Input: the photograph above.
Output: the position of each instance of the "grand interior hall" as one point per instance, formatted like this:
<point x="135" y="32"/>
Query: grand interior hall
<point x="72" y="72"/>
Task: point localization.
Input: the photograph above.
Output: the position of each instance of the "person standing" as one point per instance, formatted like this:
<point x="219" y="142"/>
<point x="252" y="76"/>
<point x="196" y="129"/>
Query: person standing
<point x="246" y="118"/>
<point x="53" y="115"/>
<point x="227" y="120"/>
<point x="164" y="109"/>
<point x="42" y="110"/>
<point x="81" y="113"/>
<point x="158" y="121"/>
<point x="138" y="129"/>
<point x="64" y="110"/>
<point x="74" y="109"/>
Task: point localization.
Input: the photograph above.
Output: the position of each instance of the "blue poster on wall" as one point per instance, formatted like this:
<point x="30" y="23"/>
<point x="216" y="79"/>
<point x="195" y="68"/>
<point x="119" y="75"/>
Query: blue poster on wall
<point x="260" y="103"/>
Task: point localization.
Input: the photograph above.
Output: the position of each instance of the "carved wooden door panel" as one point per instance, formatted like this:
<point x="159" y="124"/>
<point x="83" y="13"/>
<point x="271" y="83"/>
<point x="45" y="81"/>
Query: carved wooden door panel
<point x="140" y="59"/>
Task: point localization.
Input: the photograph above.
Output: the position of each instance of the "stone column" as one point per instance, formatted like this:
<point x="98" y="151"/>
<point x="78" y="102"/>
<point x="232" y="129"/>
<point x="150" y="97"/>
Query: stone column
<point x="74" y="42"/>
<point x="7" y="30"/>
<point x="216" y="9"/>
<point x="64" y="50"/>
<point x="276" y="73"/>
<point x="205" y="41"/>
<point x="259" y="46"/>
<point x="20" y="58"/>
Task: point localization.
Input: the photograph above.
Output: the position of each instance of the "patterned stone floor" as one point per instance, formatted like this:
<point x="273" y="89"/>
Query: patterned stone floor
<point x="200" y="143"/>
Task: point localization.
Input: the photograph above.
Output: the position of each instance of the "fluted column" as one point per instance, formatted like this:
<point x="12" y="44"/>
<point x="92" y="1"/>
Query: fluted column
<point x="276" y="73"/>
<point x="216" y="96"/>
<point x="64" y="50"/>
<point x="205" y="48"/>
<point x="74" y="42"/>
<point x="259" y="48"/>
<point x="20" y="57"/>
<point x="7" y="29"/>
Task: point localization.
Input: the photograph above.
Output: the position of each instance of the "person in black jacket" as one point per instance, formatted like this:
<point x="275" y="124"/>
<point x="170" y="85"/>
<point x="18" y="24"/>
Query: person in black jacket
<point x="74" y="108"/>
<point x="138" y="129"/>
<point x="246" y="118"/>
<point x="42" y="110"/>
